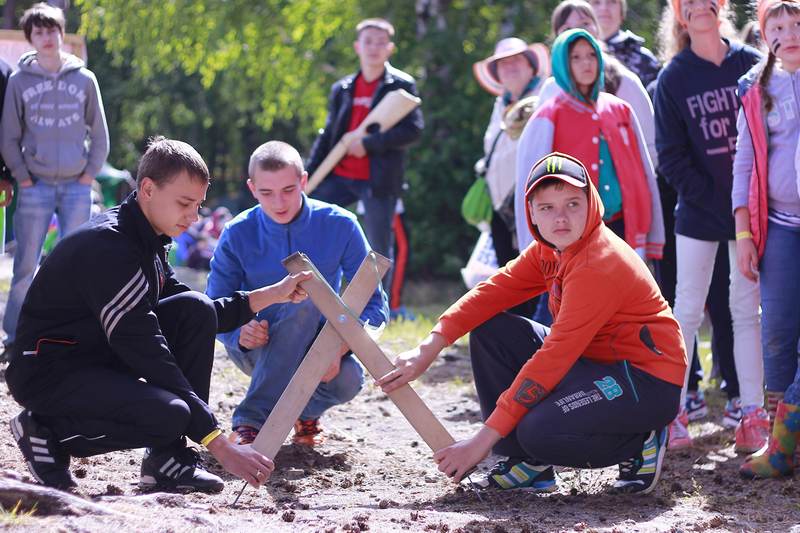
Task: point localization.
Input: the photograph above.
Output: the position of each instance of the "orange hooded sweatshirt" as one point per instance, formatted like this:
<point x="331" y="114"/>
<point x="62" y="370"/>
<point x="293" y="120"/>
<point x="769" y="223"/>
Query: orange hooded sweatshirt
<point x="605" y="304"/>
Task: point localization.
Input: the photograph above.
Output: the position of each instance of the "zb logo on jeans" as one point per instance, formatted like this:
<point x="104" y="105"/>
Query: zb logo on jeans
<point x="609" y="387"/>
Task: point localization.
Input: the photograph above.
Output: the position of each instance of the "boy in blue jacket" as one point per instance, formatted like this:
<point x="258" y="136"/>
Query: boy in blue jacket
<point x="271" y="346"/>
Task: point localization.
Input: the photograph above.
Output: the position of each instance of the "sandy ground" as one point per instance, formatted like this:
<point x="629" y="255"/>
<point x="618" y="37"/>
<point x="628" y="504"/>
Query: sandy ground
<point x="374" y="474"/>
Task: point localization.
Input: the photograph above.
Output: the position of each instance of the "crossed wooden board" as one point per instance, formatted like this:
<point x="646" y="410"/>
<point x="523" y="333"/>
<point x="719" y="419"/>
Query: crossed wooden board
<point x="343" y="325"/>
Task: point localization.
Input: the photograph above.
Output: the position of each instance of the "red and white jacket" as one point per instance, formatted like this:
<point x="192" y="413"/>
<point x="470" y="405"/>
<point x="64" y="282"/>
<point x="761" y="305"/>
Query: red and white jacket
<point x="758" y="194"/>
<point x="565" y="124"/>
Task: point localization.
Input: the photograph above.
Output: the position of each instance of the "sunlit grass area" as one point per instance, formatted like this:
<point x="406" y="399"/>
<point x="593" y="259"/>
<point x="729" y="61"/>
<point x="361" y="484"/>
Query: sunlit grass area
<point x="16" y="516"/>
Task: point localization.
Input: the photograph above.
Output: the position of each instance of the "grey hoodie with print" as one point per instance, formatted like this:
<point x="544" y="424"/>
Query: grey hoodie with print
<point x="53" y="127"/>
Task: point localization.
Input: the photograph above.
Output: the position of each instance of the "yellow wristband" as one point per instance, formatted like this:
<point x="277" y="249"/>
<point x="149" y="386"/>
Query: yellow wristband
<point x="743" y="235"/>
<point x="211" y="436"/>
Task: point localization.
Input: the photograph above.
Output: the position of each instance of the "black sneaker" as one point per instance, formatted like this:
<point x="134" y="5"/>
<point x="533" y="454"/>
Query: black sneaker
<point x="640" y="474"/>
<point x="517" y="473"/>
<point x="177" y="469"/>
<point x="46" y="460"/>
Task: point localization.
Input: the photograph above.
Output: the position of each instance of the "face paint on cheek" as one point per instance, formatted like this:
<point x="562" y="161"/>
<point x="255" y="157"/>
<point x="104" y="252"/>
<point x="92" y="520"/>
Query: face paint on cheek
<point x="713" y="7"/>
<point x="775" y="45"/>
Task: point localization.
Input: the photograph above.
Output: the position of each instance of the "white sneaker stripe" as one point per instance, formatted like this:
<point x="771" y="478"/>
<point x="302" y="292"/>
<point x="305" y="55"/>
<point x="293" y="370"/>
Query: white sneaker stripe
<point x="43" y="459"/>
<point x="167" y="465"/>
<point x="37" y="440"/>
<point x="39" y="449"/>
<point x="32" y="470"/>
<point x="16" y="429"/>
<point x="184" y="469"/>
<point x="171" y="471"/>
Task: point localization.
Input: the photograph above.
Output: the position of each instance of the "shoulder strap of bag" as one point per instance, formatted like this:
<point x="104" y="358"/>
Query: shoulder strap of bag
<point x="491" y="151"/>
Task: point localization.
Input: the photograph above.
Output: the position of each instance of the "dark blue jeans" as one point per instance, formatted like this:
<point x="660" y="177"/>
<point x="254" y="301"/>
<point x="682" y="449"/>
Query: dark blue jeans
<point x="598" y="415"/>
<point x="780" y="306"/>
<point x="292" y="329"/>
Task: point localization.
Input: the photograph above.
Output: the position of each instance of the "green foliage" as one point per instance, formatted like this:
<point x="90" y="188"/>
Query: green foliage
<point x="277" y="47"/>
<point x="227" y="75"/>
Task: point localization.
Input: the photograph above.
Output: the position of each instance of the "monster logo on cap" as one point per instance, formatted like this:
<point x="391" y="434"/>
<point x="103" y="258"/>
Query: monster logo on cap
<point x="559" y="166"/>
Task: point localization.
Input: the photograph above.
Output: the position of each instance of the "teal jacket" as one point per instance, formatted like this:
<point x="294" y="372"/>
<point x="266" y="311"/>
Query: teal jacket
<point x="560" y="63"/>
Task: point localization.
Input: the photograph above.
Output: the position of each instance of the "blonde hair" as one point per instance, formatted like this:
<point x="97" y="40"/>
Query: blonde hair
<point x="376" y="23"/>
<point x="673" y="37"/>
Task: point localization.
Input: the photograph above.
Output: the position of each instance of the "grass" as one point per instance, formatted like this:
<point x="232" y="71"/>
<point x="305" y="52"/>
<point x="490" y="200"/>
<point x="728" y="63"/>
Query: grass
<point x="16" y="516"/>
<point x="408" y="332"/>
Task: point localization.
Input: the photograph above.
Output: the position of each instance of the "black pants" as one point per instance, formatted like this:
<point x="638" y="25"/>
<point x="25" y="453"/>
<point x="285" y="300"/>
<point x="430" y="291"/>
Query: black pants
<point x="100" y="409"/>
<point x="597" y="416"/>
<point x="503" y="242"/>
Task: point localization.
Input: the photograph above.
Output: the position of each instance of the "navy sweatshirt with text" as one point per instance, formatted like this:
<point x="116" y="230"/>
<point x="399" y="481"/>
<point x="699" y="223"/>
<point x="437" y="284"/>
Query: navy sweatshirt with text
<point x="695" y="108"/>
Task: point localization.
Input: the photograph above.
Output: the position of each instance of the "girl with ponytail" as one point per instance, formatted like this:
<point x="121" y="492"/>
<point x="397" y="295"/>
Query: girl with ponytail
<point x="766" y="205"/>
<point x="696" y="107"/>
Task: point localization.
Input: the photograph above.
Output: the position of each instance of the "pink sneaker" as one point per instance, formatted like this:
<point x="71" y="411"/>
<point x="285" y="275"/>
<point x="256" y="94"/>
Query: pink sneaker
<point x="752" y="433"/>
<point x="679" y="437"/>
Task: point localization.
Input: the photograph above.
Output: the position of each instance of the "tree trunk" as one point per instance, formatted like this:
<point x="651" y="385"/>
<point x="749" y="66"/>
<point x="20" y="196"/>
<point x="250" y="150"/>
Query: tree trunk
<point x="9" y="21"/>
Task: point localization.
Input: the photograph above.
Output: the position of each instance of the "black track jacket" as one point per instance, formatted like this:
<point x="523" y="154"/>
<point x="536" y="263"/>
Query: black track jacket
<point x="93" y="303"/>
<point x="384" y="149"/>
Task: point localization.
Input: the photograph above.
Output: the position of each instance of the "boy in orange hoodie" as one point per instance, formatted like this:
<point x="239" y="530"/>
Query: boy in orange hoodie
<point x="599" y="387"/>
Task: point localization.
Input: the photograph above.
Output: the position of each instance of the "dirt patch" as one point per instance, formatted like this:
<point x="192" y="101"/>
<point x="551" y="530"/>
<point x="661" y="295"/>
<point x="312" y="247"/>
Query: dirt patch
<point x="374" y="474"/>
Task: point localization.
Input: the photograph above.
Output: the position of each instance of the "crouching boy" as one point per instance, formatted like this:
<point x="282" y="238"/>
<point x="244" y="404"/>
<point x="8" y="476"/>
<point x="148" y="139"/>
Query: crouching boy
<point x="598" y="388"/>
<point x="272" y="346"/>
<point x="104" y="311"/>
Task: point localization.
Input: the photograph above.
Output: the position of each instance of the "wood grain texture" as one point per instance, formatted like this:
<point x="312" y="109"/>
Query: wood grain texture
<point x="370" y="354"/>
<point x="318" y="359"/>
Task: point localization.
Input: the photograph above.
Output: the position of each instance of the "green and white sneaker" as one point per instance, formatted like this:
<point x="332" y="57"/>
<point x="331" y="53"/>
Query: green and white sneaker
<point x="640" y="474"/>
<point x="517" y="473"/>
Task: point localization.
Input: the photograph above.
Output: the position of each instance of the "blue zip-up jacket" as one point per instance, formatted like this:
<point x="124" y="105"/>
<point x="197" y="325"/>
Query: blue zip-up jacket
<point x="696" y="107"/>
<point x="252" y="245"/>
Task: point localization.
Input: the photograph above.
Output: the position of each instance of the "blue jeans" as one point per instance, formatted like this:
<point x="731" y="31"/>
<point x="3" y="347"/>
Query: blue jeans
<point x="780" y="312"/>
<point x="272" y="366"/>
<point x="378" y="212"/>
<point x="71" y="202"/>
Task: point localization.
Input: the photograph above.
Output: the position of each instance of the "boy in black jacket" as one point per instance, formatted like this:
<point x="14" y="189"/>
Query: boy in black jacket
<point x="105" y="310"/>
<point x="372" y="170"/>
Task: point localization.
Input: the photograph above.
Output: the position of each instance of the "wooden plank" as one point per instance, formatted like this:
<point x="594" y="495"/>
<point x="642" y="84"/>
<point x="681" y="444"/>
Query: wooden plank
<point x="319" y="358"/>
<point x="369" y="353"/>
<point x="389" y="111"/>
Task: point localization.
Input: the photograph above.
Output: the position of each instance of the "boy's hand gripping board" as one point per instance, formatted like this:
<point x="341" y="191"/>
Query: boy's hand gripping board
<point x="347" y="325"/>
<point x="387" y="113"/>
<point x="319" y="358"/>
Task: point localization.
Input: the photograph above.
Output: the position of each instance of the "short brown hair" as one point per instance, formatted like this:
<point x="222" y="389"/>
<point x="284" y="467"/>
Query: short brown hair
<point x="563" y="11"/>
<point x="165" y="158"/>
<point x="42" y="15"/>
<point x="378" y="24"/>
<point x="275" y="155"/>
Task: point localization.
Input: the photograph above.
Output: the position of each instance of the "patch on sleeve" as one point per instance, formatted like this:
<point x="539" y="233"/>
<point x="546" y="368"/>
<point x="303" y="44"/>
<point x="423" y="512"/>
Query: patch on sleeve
<point x="529" y="393"/>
